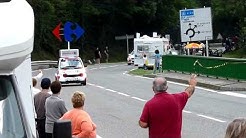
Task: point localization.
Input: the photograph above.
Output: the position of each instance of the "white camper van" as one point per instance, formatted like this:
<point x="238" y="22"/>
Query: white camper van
<point x="147" y="45"/>
<point x="16" y="44"/>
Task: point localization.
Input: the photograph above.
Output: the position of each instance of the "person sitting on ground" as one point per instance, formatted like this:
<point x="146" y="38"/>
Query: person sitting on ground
<point x="236" y="129"/>
<point x="82" y="125"/>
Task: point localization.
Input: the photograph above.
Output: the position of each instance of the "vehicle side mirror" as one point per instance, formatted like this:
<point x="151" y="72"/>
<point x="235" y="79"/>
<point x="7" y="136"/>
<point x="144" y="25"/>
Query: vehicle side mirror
<point x="62" y="129"/>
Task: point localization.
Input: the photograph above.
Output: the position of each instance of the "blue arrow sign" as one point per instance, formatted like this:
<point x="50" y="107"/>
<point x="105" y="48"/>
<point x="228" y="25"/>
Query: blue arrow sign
<point x="69" y="32"/>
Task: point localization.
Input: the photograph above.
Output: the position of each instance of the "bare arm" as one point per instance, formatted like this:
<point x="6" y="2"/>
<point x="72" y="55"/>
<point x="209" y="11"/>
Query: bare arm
<point x="143" y="124"/>
<point x="192" y="83"/>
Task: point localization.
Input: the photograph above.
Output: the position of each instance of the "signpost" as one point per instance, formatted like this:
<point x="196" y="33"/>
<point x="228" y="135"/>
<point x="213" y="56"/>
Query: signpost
<point x="70" y="34"/>
<point x="196" y="25"/>
<point x="123" y="37"/>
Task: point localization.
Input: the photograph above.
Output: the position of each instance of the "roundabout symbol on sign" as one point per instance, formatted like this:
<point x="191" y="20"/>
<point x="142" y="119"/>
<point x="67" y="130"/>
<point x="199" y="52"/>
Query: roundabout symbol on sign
<point x="191" y="31"/>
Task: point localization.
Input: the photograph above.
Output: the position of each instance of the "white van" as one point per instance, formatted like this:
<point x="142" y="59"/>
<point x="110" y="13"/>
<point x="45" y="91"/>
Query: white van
<point x="147" y="45"/>
<point x="16" y="99"/>
<point x="16" y="45"/>
<point x="70" y="67"/>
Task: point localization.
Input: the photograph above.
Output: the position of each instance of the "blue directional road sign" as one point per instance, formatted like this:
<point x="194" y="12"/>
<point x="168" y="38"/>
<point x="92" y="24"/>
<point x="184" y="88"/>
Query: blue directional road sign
<point x="72" y="29"/>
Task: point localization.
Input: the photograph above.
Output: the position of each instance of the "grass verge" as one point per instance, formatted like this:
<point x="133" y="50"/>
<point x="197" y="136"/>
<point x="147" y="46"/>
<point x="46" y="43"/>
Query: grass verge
<point x="141" y="72"/>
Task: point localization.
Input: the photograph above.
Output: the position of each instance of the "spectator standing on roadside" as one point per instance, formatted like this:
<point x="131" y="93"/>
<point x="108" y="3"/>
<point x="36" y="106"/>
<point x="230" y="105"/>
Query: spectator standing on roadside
<point x="145" y="62"/>
<point x="39" y="104"/>
<point x="97" y="55"/>
<point x="106" y="52"/>
<point x="236" y="129"/>
<point x="157" y="61"/>
<point x="34" y="82"/>
<point x="82" y="125"/>
<point x="163" y="113"/>
<point x="55" y="108"/>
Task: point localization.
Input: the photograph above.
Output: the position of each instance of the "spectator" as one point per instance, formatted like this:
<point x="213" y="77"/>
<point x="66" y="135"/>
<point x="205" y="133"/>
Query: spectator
<point x="82" y="125"/>
<point x="145" y="62"/>
<point x="55" y="108"/>
<point x="106" y="52"/>
<point x="157" y="61"/>
<point x="163" y="113"/>
<point x="236" y="129"/>
<point x="39" y="102"/>
<point x="98" y="55"/>
<point x="34" y="82"/>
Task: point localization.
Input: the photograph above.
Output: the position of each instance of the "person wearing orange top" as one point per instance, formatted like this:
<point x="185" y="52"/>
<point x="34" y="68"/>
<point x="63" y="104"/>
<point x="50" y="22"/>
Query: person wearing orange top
<point x="82" y="125"/>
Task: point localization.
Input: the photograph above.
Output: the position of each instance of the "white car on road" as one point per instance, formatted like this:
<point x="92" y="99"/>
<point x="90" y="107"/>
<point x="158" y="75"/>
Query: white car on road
<point x="71" y="70"/>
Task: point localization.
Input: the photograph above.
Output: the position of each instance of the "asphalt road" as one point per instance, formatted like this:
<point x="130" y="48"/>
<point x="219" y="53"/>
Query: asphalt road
<point x="115" y="100"/>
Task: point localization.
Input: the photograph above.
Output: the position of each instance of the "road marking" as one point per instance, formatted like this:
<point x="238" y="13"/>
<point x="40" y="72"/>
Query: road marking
<point x="233" y="94"/>
<point x="136" y="98"/>
<point x="103" y="67"/>
<point x="110" y="90"/>
<point x="188" y="112"/>
<point x="98" y="136"/>
<point x="120" y="93"/>
<point x="211" y="118"/>
<point x="99" y="86"/>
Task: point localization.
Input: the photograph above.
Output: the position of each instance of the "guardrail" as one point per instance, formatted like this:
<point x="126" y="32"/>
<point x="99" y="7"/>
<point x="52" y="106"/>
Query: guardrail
<point x="228" y="68"/>
<point x="43" y="64"/>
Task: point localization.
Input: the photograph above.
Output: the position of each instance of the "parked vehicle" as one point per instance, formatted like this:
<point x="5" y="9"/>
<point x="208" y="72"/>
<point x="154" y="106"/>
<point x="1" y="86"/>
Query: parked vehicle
<point x="16" y="44"/>
<point x="146" y="45"/>
<point x="130" y="58"/>
<point x="70" y="67"/>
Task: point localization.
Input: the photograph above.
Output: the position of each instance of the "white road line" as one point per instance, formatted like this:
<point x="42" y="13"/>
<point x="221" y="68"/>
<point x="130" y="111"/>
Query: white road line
<point x="233" y="94"/>
<point x="98" y="136"/>
<point x="211" y="118"/>
<point x="99" y="86"/>
<point x="187" y="112"/>
<point x="136" y="98"/>
<point x="110" y="90"/>
<point x="91" y="84"/>
<point x="120" y="93"/>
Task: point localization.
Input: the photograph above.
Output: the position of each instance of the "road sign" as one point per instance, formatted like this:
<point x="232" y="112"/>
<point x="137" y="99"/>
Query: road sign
<point x="123" y="37"/>
<point x="56" y="31"/>
<point x="196" y="24"/>
<point x="70" y="30"/>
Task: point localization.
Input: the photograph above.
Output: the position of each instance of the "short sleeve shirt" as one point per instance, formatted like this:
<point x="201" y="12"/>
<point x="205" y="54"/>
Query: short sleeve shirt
<point x="163" y="113"/>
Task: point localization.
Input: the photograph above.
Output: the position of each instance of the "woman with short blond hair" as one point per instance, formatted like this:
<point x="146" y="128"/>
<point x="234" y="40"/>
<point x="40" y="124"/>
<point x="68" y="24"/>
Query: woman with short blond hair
<point x="236" y="129"/>
<point x="82" y="125"/>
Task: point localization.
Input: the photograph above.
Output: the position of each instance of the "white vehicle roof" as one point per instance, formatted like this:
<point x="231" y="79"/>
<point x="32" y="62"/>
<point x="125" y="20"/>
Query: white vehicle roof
<point x="17" y="32"/>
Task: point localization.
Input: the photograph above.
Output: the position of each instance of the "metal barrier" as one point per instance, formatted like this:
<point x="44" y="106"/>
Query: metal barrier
<point x="43" y="64"/>
<point x="210" y="66"/>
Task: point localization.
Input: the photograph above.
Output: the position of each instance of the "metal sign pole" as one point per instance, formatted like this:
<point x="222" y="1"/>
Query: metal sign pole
<point x="207" y="47"/>
<point x="68" y="45"/>
<point x="127" y="46"/>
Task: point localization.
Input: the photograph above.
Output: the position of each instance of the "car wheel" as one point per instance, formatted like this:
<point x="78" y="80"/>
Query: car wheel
<point x="84" y="82"/>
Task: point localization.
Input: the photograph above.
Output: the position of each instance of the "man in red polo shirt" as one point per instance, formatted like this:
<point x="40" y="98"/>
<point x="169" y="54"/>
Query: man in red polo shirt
<point x="163" y="113"/>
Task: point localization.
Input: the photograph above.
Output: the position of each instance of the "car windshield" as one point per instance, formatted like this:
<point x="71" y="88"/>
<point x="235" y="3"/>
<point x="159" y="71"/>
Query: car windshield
<point x="11" y="125"/>
<point x="70" y="64"/>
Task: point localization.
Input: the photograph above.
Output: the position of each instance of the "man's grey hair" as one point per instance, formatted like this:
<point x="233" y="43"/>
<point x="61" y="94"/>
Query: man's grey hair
<point x="160" y="84"/>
